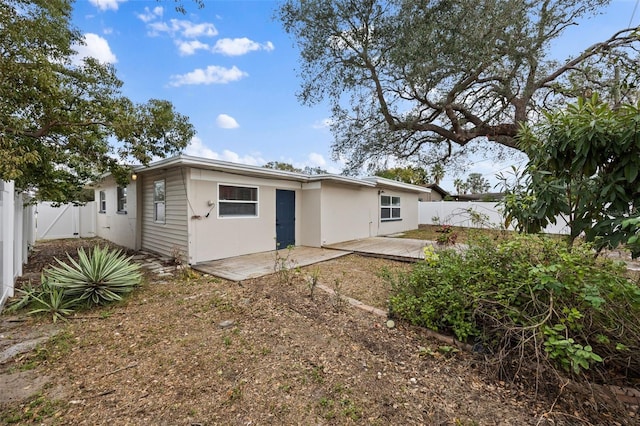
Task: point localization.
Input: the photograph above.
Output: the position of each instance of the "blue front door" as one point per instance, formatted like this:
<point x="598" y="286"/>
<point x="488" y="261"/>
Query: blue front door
<point x="285" y="218"/>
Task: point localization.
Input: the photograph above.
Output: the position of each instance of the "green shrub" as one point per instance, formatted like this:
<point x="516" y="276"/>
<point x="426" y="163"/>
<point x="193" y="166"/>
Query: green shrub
<point x="101" y="277"/>
<point x="527" y="299"/>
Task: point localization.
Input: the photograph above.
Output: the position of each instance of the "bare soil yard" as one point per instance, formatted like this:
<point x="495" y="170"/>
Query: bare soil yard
<point x="196" y="350"/>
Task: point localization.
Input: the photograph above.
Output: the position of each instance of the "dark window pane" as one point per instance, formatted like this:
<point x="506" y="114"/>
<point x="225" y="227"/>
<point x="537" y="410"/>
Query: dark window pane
<point x="238" y="209"/>
<point x="237" y="193"/>
<point x="395" y="213"/>
<point x="385" y="200"/>
<point x="385" y="213"/>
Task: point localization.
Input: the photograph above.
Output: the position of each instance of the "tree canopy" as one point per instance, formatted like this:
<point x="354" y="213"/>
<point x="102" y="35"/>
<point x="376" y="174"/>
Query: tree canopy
<point x="411" y="174"/>
<point x="407" y="77"/>
<point x="64" y="121"/>
<point x="287" y="167"/>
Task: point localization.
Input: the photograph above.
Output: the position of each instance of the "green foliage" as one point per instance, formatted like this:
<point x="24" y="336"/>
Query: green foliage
<point x="101" y="277"/>
<point x="59" y="113"/>
<point x="632" y="227"/>
<point x="584" y="163"/>
<point x="53" y="301"/>
<point x="416" y="80"/>
<point x="526" y="299"/>
<point x="278" y="165"/>
<point x="411" y="174"/>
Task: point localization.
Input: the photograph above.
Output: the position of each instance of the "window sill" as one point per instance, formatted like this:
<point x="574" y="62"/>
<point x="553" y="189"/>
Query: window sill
<point x="122" y="212"/>
<point x="102" y="212"/>
<point x="391" y="220"/>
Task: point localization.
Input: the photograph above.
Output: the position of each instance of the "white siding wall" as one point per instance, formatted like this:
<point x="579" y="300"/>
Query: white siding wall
<point x="169" y="238"/>
<point x="311" y="234"/>
<point x="348" y="213"/>
<point x="119" y="228"/>
<point x="213" y="237"/>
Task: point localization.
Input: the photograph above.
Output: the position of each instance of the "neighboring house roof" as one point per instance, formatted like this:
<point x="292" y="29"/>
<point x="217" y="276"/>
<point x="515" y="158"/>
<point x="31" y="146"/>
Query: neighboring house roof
<point x="256" y="171"/>
<point x="437" y="188"/>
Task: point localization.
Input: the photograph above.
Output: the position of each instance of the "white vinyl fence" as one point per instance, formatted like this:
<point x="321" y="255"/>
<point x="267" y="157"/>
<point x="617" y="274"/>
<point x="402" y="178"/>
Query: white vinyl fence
<point x="17" y="236"/>
<point x="65" y="221"/>
<point x="472" y="214"/>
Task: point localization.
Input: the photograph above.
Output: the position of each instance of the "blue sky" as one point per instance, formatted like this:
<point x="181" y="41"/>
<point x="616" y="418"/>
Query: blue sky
<point x="231" y="68"/>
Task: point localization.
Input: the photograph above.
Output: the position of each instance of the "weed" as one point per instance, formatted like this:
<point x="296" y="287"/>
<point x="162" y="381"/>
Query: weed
<point x="312" y="281"/>
<point x="284" y="265"/>
<point x="317" y="374"/>
<point x="338" y="299"/>
<point x="235" y="394"/>
<point x="285" y="388"/>
<point x="350" y="410"/>
<point x="227" y="341"/>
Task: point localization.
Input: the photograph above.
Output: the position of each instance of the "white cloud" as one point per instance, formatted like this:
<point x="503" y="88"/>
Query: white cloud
<point x="317" y="160"/>
<point x="183" y="28"/>
<point x="187" y="48"/>
<point x="239" y="46"/>
<point x="213" y="74"/>
<point x="106" y="4"/>
<point x="95" y="47"/>
<point x="151" y="14"/>
<point x="322" y="124"/>
<point x="225" y="121"/>
<point x="198" y="149"/>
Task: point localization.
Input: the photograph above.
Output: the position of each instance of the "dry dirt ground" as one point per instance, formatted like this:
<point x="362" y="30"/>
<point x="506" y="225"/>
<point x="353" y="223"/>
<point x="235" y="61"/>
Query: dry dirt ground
<point x="196" y="350"/>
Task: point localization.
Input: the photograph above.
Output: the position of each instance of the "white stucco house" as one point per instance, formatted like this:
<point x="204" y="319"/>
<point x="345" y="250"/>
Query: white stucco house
<point x="206" y="209"/>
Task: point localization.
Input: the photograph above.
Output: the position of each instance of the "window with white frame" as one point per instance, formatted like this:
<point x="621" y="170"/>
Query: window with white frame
<point x="237" y="201"/>
<point x="159" y="201"/>
<point x="103" y="201"/>
<point x="389" y="208"/>
<point x="122" y="199"/>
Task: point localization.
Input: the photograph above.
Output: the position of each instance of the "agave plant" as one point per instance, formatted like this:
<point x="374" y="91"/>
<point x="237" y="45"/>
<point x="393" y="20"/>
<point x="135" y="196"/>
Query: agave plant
<point x="98" y="278"/>
<point x="52" y="300"/>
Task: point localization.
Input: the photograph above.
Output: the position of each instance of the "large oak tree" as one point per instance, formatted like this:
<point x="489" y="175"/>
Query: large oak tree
<point x="406" y="77"/>
<point x="63" y="123"/>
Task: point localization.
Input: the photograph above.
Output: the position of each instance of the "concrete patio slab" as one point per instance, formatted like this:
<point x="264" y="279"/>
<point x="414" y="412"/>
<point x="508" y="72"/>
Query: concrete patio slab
<point x="260" y="264"/>
<point x="403" y="249"/>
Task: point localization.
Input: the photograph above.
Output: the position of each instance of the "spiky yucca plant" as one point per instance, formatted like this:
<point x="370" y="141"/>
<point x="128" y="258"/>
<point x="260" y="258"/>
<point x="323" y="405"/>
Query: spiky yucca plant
<point x="99" y="278"/>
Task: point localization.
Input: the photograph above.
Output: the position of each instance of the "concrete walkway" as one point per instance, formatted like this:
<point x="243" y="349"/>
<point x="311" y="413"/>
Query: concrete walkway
<point x="259" y="264"/>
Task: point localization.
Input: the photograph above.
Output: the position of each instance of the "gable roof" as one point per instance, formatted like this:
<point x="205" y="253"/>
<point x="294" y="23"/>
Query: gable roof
<point x="262" y="172"/>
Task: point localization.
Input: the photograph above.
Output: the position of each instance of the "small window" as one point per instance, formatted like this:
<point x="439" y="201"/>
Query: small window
<point x="103" y="202"/>
<point x="159" y="201"/>
<point x="237" y="201"/>
<point x="389" y="208"/>
<point x="122" y="199"/>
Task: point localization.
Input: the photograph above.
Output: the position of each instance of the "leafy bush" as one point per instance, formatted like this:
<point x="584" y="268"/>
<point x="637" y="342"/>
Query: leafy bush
<point x="102" y="276"/>
<point x="527" y="299"/>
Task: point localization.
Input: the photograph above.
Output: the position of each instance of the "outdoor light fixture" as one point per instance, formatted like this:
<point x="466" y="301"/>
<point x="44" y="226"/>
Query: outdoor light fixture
<point x="134" y="176"/>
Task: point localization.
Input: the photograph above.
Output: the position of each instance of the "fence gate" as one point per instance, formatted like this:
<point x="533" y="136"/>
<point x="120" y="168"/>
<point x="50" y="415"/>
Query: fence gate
<point x="65" y="221"/>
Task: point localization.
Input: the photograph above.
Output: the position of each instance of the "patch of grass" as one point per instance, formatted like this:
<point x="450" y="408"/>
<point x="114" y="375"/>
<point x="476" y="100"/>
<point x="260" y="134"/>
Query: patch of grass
<point x="37" y="410"/>
<point x="227" y="341"/>
<point x="432" y="233"/>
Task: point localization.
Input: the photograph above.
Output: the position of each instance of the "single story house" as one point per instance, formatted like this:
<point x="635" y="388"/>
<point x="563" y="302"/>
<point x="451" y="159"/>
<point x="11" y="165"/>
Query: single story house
<point x="203" y="209"/>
